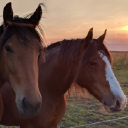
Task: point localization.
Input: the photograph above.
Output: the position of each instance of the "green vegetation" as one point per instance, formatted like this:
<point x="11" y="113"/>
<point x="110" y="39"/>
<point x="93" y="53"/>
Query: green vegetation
<point x="80" y="113"/>
<point x="84" y="111"/>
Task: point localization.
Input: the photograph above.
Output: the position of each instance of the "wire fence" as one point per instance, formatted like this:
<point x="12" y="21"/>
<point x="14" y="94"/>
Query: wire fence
<point x="96" y="123"/>
<point x="87" y="125"/>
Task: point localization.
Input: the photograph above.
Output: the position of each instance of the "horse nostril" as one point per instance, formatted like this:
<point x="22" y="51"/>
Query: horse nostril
<point x="105" y="103"/>
<point x="118" y="104"/>
<point x="29" y="106"/>
<point x="26" y="104"/>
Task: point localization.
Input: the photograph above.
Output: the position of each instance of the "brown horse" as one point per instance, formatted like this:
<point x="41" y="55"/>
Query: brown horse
<point x="86" y="62"/>
<point x="20" y="46"/>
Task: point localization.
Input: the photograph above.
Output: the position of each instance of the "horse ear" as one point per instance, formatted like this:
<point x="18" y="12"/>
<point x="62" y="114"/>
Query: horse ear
<point x="7" y="14"/>
<point x="35" y="18"/>
<point x="102" y="37"/>
<point x="89" y="36"/>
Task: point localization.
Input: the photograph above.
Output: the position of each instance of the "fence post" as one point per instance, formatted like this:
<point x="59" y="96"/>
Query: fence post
<point x="125" y="61"/>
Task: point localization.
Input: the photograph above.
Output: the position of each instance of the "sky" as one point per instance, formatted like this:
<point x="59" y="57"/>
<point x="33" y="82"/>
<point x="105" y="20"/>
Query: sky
<point x="67" y="19"/>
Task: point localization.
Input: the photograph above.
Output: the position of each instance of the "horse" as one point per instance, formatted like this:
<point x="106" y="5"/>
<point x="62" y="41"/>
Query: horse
<point x="20" y="48"/>
<point x="86" y="62"/>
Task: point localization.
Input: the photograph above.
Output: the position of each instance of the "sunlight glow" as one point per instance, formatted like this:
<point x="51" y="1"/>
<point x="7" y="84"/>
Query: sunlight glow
<point x="124" y="28"/>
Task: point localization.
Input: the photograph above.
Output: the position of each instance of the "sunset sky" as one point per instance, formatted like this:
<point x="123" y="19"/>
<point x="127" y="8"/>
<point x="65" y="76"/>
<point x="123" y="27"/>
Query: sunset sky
<point x="66" y="19"/>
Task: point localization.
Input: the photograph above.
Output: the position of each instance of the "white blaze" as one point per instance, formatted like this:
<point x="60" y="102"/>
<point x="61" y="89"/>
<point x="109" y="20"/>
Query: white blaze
<point x="110" y="77"/>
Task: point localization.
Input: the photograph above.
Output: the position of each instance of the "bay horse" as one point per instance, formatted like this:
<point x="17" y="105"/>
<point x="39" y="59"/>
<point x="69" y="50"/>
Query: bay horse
<point x="86" y="62"/>
<point x="20" y="48"/>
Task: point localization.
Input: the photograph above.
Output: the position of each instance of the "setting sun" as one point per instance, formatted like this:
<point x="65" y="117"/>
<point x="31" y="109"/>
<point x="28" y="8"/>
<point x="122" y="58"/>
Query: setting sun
<point x="69" y="19"/>
<point x="124" y="28"/>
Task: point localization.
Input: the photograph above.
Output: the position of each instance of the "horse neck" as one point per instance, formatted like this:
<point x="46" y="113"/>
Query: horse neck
<point x="70" y="54"/>
<point x="57" y="74"/>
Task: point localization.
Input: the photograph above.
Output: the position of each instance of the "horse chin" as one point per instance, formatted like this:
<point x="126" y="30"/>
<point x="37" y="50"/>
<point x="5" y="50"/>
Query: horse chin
<point x="112" y="109"/>
<point x="26" y="117"/>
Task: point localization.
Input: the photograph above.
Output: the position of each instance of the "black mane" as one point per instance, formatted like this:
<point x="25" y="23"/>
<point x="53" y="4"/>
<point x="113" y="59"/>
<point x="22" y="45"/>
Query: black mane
<point x="70" y="54"/>
<point x="69" y="49"/>
<point x="64" y="42"/>
<point x="21" y="28"/>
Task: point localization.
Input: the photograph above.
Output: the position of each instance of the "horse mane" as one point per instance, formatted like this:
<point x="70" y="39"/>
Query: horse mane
<point x="21" y="28"/>
<point x="70" y="50"/>
<point x="70" y="54"/>
<point x="53" y="45"/>
<point x="102" y="47"/>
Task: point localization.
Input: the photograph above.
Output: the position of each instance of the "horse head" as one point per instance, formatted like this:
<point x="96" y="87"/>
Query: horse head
<point x="20" y="48"/>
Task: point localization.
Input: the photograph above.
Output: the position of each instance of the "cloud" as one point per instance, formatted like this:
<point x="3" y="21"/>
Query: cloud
<point x="78" y="27"/>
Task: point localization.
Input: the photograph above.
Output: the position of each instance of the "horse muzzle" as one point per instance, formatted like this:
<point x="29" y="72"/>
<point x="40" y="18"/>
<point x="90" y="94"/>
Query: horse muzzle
<point x="28" y="108"/>
<point x="119" y="105"/>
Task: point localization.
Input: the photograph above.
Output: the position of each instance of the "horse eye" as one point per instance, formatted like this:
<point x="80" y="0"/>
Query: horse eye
<point x="8" y="49"/>
<point x="92" y="64"/>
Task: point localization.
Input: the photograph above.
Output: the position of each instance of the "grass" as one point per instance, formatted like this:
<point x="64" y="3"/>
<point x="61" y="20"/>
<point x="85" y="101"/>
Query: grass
<point x="79" y="113"/>
<point x="86" y="111"/>
<point x="119" y="67"/>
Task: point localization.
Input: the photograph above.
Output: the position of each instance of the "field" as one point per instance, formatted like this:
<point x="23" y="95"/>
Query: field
<point x="82" y="112"/>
